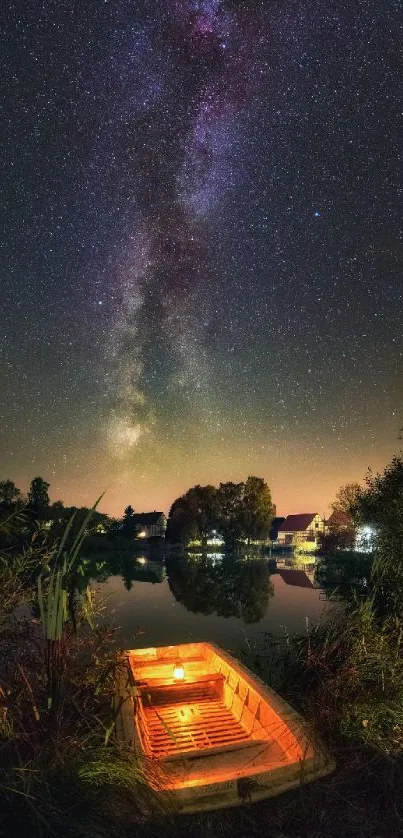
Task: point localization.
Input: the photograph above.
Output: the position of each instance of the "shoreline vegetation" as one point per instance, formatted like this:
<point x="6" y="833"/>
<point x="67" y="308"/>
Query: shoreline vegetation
<point x="61" y="769"/>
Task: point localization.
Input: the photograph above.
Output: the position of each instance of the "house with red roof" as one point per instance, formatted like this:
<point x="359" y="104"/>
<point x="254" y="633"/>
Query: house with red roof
<point x="301" y="529"/>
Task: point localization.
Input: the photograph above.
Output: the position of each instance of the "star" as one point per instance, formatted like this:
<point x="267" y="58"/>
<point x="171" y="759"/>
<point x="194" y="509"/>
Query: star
<point x="167" y="172"/>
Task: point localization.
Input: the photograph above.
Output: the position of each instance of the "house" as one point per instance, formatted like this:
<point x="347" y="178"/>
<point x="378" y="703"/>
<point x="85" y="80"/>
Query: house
<point x="149" y="524"/>
<point x="301" y="529"/>
<point x="275" y="526"/>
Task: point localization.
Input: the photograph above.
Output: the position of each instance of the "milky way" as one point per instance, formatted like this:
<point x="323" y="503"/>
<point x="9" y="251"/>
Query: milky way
<point x="182" y="170"/>
<point x="200" y="258"/>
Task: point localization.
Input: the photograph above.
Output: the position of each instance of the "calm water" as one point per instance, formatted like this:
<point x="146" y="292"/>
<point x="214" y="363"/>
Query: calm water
<point x="217" y="599"/>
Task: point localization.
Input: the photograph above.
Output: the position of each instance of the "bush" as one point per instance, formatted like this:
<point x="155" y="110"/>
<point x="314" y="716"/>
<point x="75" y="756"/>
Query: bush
<point x="352" y="670"/>
<point x="57" y="684"/>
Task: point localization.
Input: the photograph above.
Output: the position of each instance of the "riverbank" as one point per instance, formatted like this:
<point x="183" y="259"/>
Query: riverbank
<point x="62" y="772"/>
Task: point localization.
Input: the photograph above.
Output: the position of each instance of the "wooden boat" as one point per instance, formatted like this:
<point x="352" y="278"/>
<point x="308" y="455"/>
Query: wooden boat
<point x="209" y="733"/>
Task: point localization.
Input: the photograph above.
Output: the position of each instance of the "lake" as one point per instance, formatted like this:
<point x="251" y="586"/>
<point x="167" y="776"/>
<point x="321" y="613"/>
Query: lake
<point x="216" y="598"/>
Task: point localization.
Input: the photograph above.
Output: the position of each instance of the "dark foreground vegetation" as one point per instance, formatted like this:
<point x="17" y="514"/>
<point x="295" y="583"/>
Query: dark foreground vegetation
<point x="61" y="770"/>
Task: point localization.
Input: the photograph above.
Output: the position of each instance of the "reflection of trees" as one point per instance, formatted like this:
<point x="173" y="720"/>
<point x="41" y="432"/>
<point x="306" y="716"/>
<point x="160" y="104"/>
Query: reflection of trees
<point x="128" y="567"/>
<point x="230" y="588"/>
<point x="131" y="571"/>
<point x="345" y="576"/>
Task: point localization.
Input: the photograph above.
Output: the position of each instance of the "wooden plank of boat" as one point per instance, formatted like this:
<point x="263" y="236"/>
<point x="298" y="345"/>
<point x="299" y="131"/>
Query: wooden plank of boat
<point x="209" y="733"/>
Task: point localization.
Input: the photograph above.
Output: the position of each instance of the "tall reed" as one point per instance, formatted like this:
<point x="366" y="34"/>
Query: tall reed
<point x="57" y="600"/>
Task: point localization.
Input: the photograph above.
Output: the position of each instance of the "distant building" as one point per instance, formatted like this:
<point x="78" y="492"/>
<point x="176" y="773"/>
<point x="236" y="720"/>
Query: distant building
<point x="275" y="526"/>
<point x="301" y="529"/>
<point x="149" y="524"/>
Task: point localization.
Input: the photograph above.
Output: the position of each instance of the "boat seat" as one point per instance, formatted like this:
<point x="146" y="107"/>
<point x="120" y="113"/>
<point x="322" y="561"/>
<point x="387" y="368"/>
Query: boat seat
<point x="196" y="753"/>
<point x="168" y="692"/>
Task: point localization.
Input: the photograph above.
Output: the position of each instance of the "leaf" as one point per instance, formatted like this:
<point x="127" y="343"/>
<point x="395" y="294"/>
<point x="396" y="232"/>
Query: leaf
<point x="82" y="533"/>
<point x="53" y="595"/>
<point x="41" y="605"/>
<point x="108" y="732"/>
<point x="65" y="534"/>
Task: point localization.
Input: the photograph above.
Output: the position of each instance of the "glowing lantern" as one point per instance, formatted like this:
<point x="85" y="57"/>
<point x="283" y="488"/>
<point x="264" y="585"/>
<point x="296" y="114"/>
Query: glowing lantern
<point x="179" y="672"/>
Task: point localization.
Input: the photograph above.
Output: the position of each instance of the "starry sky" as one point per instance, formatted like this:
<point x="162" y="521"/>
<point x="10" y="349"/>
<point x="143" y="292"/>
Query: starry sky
<point x="200" y="254"/>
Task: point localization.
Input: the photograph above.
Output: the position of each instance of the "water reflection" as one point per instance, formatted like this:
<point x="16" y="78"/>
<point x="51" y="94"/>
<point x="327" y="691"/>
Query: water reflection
<point x="141" y="569"/>
<point x="221" y="585"/>
<point x="130" y="568"/>
<point x="214" y="597"/>
<point x="344" y="577"/>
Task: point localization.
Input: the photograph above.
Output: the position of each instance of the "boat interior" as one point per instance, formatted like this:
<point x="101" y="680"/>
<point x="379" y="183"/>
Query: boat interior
<point x="193" y="702"/>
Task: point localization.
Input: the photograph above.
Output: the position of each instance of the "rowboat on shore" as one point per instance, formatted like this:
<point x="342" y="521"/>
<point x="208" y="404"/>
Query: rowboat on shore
<point x="209" y="733"/>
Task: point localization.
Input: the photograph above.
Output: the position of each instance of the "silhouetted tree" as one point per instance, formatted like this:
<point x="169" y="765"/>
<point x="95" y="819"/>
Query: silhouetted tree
<point x="128" y="523"/>
<point x="347" y="501"/>
<point x="65" y="514"/>
<point x="113" y="527"/>
<point x="57" y="511"/>
<point x="237" y="510"/>
<point x="182" y="525"/>
<point x="381" y="507"/>
<point x="257" y="509"/>
<point x="38" y="498"/>
<point x="201" y="501"/>
<point x="230" y="512"/>
<point x="336" y="539"/>
<point x="9" y="493"/>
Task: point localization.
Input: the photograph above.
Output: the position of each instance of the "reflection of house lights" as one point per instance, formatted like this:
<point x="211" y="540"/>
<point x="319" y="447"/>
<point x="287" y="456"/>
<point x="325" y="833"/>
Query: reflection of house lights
<point x="179" y="672"/>
<point x="142" y="534"/>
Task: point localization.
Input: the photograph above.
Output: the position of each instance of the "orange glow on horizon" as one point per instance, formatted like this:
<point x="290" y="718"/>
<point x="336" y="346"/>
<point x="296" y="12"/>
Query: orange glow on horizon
<point x="297" y="483"/>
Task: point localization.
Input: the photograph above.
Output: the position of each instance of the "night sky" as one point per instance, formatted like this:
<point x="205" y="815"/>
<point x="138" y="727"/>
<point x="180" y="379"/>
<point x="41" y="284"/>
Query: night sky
<point x="200" y="263"/>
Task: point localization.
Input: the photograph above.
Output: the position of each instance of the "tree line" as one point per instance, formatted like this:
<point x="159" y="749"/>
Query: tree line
<point x="35" y="513"/>
<point x="236" y="511"/>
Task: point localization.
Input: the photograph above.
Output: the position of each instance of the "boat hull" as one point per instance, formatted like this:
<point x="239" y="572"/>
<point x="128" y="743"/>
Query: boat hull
<point x="220" y="739"/>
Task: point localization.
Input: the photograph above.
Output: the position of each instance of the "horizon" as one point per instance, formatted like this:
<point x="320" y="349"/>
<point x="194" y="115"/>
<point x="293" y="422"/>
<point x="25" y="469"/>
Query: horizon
<point x="122" y="500"/>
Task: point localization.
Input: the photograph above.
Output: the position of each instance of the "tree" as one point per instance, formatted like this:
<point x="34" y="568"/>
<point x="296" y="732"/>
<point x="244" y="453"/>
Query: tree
<point x="181" y="526"/>
<point x="38" y="498"/>
<point x="258" y="509"/>
<point x="113" y="526"/>
<point x="128" y="525"/>
<point x="57" y="511"/>
<point x="237" y="510"/>
<point x="9" y="493"/>
<point x="381" y="507"/>
<point x="63" y="515"/>
<point x="201" y="501"/>
<point x="347" y="500"/>
<point x="193" y="515"/>
<point x="230" y="512"/>
<point x="336" y="540"/>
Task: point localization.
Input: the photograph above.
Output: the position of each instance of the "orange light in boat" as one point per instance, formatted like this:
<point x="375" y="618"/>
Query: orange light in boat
<point x="179" y="672"/>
